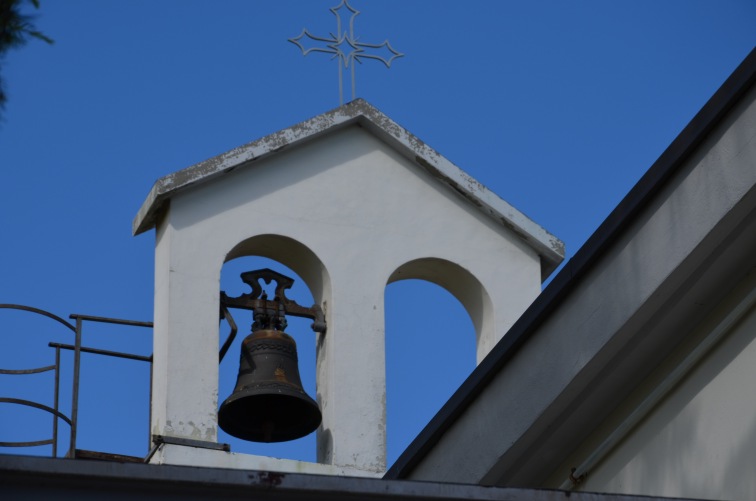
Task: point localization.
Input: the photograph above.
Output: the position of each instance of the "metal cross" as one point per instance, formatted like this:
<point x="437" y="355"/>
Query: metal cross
<point x="344" y="46"/>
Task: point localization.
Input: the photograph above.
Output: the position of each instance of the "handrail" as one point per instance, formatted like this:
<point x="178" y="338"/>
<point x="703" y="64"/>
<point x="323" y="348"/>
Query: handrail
<point x="29" y="403"/>
<point x="34" y="443"/>
<point x="108" y="320"/>
<point x="37" y="311"/>
<point x="56" y="368"/>
<point x="97" y="351"/>
<point x="77" y="348"/>
<point x="28" y="371"/>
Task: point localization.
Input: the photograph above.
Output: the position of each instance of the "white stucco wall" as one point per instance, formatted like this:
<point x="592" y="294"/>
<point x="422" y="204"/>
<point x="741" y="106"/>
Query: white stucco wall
<point x="361" y="216"/>
<point x="700" y="441"/>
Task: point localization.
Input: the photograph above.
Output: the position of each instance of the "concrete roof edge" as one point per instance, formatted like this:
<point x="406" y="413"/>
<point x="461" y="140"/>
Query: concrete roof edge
<point x="550" y="248"/>
<point x="151" y="481"/>
<point x="226" y="162"/>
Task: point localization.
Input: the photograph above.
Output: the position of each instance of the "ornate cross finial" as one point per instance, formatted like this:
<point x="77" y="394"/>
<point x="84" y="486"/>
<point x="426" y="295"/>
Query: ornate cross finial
<point x="346" y="47"/>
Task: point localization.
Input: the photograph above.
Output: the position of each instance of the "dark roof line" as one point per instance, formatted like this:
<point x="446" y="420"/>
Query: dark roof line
<point x="578" y="266"/>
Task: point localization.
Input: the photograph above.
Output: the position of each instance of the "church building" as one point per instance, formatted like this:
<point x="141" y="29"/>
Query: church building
<point x="629" y="374"/>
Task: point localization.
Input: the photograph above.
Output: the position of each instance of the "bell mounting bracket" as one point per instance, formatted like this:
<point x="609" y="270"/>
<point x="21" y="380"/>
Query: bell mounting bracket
<point x="271" y="314"/>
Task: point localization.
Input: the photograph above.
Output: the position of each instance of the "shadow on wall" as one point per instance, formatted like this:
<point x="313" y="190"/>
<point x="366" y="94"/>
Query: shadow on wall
<point x="701" y="441"/>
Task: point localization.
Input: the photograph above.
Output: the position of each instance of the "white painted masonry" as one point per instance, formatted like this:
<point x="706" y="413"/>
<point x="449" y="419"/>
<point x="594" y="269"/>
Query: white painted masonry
<point x="349" y="212"/>
<point x="699" y="440"/>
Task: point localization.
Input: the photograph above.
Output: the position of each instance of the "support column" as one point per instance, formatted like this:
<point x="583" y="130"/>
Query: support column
<point x="351" y="376"/>
<point x="185" y="359"/>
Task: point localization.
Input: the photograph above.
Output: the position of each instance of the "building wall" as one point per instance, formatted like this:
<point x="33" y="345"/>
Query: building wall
<point x="699" y="441"/>
<point x="668" y="254"/>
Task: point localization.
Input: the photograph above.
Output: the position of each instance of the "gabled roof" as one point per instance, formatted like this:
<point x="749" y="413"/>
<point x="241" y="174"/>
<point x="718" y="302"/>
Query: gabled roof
<point x="550" y="248"/>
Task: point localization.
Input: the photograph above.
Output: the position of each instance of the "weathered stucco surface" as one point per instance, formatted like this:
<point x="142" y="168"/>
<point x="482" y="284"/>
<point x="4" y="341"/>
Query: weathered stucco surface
<point x="405" y="143"/>
<point x="349" y="214"/>
<point x="700" y="440"/>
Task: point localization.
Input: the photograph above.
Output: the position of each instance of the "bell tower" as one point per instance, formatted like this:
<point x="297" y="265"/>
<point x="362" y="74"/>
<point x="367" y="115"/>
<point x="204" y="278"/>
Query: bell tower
<point x="350" y="201"/>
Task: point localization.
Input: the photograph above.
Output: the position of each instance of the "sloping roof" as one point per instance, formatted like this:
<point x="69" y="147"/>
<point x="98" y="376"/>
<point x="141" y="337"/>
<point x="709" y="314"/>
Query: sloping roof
<point x="573" y="279"/>
<point x="550" y="248"/>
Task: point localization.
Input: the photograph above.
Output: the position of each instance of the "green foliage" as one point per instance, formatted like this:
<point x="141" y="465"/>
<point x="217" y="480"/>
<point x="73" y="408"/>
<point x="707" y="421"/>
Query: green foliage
<point x="15" y="30"/>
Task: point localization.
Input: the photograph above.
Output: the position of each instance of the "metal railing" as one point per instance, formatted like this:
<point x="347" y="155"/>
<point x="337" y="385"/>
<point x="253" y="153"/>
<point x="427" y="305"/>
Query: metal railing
<point x="78" y="349"/>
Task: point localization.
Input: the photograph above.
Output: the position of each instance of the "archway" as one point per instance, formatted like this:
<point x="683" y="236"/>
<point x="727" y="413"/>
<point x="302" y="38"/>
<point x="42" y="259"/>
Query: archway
<point x="296" y="261"/>
<point x="431" y="340"/>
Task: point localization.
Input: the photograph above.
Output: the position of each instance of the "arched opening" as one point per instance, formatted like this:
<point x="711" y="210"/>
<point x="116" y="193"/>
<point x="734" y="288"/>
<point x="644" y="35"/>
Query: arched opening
<point x="294" y="260"/>
<point x="435" y="312"/>
<point x="430" y="350"/>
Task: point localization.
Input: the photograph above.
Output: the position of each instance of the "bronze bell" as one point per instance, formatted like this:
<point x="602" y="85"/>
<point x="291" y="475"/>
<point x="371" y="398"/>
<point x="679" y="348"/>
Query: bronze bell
<point x="268" y="403"/>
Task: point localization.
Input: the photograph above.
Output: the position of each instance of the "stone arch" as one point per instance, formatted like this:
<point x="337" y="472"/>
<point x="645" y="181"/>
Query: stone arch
<point x="462" y="284"/>
<point x="311" y="271"/>
<point x="291" y="253"/>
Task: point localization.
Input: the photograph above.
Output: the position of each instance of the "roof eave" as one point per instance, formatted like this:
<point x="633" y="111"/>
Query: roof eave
<point x="546" y="245"/>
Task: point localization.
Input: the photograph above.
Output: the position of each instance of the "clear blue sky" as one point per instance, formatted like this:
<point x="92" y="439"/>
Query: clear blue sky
<point x="558" y="107"/>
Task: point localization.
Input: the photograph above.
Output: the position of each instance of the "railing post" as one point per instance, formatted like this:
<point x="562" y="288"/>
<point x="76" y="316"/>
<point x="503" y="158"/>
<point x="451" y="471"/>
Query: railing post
<point x="55" y="403"/>
<point x="75" y="392"/>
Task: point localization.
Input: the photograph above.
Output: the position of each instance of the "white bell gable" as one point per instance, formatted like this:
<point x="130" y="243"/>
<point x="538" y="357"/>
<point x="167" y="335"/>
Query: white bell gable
<point x="350" y="201"/>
